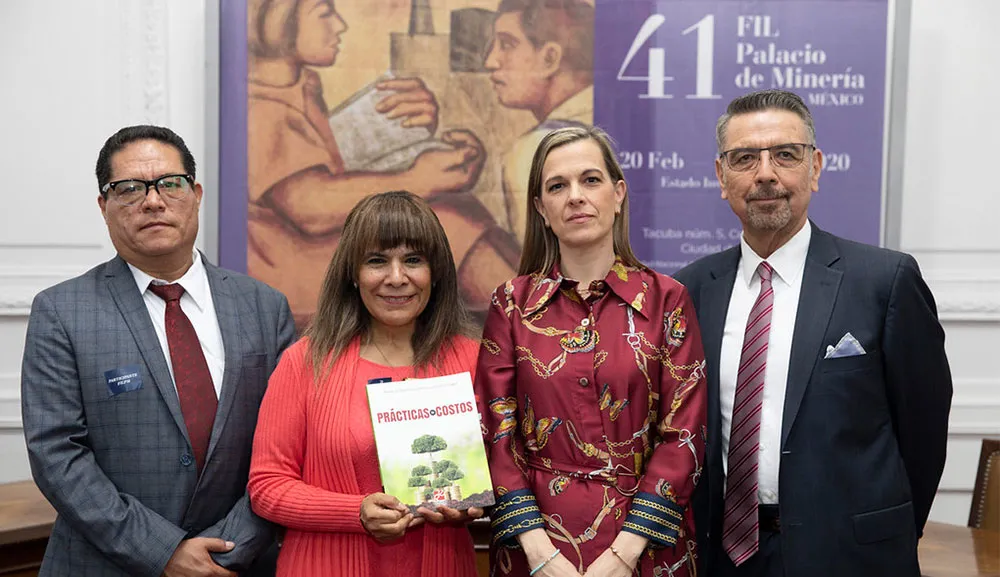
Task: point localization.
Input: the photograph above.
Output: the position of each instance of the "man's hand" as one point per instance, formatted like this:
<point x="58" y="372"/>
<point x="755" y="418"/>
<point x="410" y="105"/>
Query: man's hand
<point x="192" y="559"/>
<point x="411" y="100"/>
<point x="384" y="517"/>
<point x="448" y="170"/>
<point x="448" y="515"/>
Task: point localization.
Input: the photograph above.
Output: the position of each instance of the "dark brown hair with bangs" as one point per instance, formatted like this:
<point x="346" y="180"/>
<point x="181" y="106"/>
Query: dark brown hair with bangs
<point x="382" y="222"/>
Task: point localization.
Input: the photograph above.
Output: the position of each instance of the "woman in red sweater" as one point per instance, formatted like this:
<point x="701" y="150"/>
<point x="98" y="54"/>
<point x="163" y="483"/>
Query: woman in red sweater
<point x="389" y="307"/>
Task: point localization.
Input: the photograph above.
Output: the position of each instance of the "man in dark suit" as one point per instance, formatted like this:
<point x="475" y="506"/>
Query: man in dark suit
<point x="829" y="389"/>
<point x="141" y="382"/>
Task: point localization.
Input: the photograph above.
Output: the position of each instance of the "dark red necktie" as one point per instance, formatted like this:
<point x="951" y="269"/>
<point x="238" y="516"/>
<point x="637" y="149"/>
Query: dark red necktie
<point x="191" y="375"/>
<point x="740" y="528"/>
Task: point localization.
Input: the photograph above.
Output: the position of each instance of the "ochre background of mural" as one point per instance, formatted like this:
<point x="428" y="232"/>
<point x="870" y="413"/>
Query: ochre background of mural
<point x="466" y="99"/>
<point x="289" y="138"/>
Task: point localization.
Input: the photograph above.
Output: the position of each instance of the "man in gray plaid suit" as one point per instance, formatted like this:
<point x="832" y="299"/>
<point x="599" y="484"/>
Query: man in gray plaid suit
<point x="139" y="409"/>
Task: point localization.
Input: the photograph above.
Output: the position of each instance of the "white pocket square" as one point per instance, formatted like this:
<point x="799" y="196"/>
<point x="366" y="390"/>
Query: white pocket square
<point x="847" y="347"/>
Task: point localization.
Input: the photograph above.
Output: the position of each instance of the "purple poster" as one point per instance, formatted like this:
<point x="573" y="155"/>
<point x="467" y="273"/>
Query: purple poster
<point x="304" y="134"/>
<point x="664" y="72"/>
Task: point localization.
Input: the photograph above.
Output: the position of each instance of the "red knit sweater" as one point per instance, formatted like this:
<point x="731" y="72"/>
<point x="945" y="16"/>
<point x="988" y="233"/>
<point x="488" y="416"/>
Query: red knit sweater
<point x="303" y="471"/>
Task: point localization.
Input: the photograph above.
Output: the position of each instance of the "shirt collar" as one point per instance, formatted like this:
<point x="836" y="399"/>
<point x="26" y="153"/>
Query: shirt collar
<point x="788" y="261"/>
<point x="623" y="280"/>
<point x="194" y="281"/>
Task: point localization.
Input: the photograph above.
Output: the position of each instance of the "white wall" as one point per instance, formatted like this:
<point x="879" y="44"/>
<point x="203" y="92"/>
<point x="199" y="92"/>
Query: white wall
<point x="950" y="215"/>
<point x="75" y="71"/>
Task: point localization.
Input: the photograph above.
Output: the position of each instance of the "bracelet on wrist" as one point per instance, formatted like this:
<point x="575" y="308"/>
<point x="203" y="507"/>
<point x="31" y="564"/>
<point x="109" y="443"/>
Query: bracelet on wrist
<point x="543" y="563"/>
<point x="620" y="558"/>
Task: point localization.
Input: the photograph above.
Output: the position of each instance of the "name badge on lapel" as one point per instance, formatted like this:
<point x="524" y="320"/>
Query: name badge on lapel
<point x="123" y="379"/>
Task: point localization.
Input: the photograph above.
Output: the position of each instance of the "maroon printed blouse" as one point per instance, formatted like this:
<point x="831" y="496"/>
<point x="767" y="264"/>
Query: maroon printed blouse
<point x="594" y="416"/>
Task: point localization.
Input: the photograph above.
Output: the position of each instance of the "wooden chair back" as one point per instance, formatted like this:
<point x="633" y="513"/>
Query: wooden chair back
<point x="985" y="511"/>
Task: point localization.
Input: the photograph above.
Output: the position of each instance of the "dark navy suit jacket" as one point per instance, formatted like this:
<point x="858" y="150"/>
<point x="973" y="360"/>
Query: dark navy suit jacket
<point x="863" y="438"/>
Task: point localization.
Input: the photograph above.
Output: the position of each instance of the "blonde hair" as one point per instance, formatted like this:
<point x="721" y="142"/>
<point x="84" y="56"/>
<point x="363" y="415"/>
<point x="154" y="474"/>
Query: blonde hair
<point x="541" y="247"/>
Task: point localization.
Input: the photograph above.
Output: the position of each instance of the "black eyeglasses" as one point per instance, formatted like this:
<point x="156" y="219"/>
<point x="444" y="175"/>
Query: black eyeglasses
<point x="781" y="155"/>
<point x="132" y="191"/>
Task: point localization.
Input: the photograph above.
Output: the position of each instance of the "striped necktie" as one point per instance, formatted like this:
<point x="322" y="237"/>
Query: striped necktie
<point x="740" y="536"/>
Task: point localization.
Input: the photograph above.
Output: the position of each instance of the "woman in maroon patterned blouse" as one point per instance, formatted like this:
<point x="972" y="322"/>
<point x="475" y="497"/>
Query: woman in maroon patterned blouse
<point x="591" y="385"/>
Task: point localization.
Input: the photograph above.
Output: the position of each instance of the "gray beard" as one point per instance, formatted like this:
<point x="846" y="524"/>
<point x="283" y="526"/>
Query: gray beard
<point x="769" y="219"/>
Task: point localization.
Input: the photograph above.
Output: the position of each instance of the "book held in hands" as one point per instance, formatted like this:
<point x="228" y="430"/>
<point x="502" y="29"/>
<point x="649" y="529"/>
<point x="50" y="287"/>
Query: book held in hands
<point x="430" y="443"/>
<point x="370" y="141"/>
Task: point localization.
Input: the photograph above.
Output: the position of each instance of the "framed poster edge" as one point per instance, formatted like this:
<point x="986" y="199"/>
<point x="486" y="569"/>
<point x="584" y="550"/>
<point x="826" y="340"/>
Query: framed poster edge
<point x="210" y="163"/>
<point x="897" y="70"/>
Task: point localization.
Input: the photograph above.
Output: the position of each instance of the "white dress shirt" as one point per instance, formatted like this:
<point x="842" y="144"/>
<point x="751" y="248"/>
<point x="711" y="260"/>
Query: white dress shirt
<point x="788" y="263"/>
<point x="197" y="304"/>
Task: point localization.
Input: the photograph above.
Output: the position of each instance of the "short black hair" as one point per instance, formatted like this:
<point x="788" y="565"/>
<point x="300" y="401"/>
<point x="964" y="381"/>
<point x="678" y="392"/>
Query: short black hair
<point x="130" y="134"/>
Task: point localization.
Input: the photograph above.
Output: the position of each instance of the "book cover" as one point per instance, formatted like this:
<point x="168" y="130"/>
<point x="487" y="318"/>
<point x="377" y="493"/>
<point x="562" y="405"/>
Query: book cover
<point x="429" y="440"/>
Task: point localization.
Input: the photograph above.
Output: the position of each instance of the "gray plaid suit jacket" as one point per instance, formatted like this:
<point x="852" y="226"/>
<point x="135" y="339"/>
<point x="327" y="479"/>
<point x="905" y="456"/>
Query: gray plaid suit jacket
<point x="118" y="468"/>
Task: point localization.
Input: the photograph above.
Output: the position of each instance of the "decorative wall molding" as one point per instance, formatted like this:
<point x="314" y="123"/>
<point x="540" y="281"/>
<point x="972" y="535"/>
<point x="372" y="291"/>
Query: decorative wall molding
<point x="982" y="310"/>
<point x="951" y="250"/>
<point x="144" y="66"/>
<point x="155" y="82"/>
<point x="10" y="401"/>
<point x="15" y="306"/>
<point x="966" y="294"/>
<point x="965" y="280"/>
<point x="981" y="428"/>
<point x="965" y="309"/>
<point x="975" y="408"/>
<point x="21" y="284"/>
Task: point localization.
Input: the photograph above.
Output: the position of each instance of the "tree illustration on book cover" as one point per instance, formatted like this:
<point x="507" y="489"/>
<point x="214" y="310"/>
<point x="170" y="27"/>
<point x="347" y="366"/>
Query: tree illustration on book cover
<point x="437" y="483"/>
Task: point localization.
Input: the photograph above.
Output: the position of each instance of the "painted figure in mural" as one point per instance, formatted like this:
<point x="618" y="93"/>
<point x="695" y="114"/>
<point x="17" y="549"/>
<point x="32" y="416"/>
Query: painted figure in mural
<point x="141" y="383"/>
<point x="836" y="349"/>
<point x="389" y="308"/>
<point x="301" y="182"/>
<point x="591" y="385"/>
<point x="541" y="60"/>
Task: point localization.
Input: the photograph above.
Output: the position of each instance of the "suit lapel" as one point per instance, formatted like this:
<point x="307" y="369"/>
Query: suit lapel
<point x="713" y="305"/>
<point x="820" y="284"/>
<point x="125" y="293"/>
<point x="229" y="325"/>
